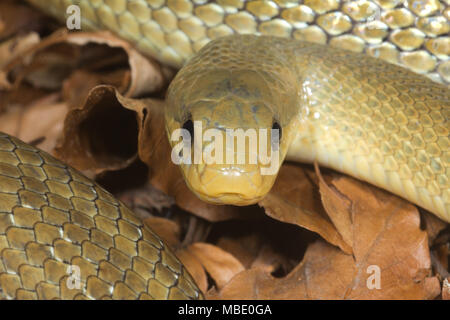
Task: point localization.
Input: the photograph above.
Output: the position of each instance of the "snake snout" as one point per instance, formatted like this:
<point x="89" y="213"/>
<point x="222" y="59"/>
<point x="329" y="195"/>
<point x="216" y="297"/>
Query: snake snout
<point x="229" y="184"/>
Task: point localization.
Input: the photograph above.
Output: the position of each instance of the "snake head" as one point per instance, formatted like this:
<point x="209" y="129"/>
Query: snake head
<point x="227" y="135"/>
<point x="229" y="150"/>
<point x="236" y="116"/>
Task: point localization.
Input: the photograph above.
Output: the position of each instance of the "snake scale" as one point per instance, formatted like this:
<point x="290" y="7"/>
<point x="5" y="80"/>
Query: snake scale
<point x="362" y="116"/>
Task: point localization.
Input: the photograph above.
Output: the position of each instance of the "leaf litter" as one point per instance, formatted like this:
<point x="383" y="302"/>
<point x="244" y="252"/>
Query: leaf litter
<point x="318" y="234"/>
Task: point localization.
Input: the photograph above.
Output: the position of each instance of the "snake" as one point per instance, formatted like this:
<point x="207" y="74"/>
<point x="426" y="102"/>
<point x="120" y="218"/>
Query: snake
<point x="313" y="71"/>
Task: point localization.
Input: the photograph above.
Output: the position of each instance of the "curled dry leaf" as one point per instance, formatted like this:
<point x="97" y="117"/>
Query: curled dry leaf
<point x="267" y="259"/>
<point x="80" y="82"/>
<point x="4" y="85"/>
<point x="221" y="265"/>
<point x="102" y="135"/>
<point x="11" y="49"/>
<point x="440" y="257"/>
<point x="18" y="93"/>
<point x="167" y="229"/>
<point x="294" y="199"/>
<point x="433" y="225"/>
<point x="390" y="256"/>
<point x="386" y="233"/>
<point x="46" y="63"/>
<point x="146" y="75"/>
<point x="315" y="278"/>
<point x="245" y="249"/>
<point x="22" y="122"/>
<point x="57" y="56"/>
<point x="339" y="210"/>
<point x="21" y="104"/>
<point x="17" y="18"/>
<point x="253" y="251"/>
<point x="194" y="267"/>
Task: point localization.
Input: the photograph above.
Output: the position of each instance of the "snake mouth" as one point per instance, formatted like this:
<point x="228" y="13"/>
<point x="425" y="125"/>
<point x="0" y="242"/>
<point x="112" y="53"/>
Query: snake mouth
<point x="229" y="198"/>
<point x="225" y="187"/>
<point x="220" y="185"/>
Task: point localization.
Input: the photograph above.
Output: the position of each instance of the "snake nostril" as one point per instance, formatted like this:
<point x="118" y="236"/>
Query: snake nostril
<point x="276" y="126"/>
<point x="189" y="126"/>
<point x="276" y="135"/>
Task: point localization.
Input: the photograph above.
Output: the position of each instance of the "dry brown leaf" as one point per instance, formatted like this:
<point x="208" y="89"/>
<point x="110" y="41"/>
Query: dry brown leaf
<point x="220" y="265"/>
<point x="146" y="74"/>
<point x="14" y="47"/>
<point x="252" y="250"/>
<point x="21" y="97"/>
<point x="4" y="85"/>
<point x="16" y="94"/>
<point x="102" y="135"/>
<point x="386" y="232"/>
<point x="267" y="260"/>
<point x="194" y="267"/>
<point x="48" y="66"/>
<point x="167" y="229"/>
<point x="47" y="63"/>
<point x="325" y="273"/>
<point x="440" y="255"/>
<point x="245" y="248"/>
<point x="315" y="278"/>
<point x="15" y="17"/>
<point x="294" y="199"/>
<point x="339" y="210"/>
<point x="433" y="225"/>
<point x="80" y="83"/>
<point x="386" y="235"/>
<point x="22" y="122"/>
<point x="56" y="56"/>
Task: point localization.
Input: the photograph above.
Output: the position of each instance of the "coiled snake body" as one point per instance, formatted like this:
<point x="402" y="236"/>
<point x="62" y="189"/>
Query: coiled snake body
<point x="360" y="115"/>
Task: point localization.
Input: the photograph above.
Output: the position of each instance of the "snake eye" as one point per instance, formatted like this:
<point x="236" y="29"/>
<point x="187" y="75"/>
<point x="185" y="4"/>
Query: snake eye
<point x="276" y="126"/>
<point x="189" y="126"/>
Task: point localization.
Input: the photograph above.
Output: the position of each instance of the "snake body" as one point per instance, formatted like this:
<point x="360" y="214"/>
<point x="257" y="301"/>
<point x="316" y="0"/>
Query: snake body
<point x="62" y="236"/>
<point x="360" y="115"/>
<point x="412" y="33"/>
